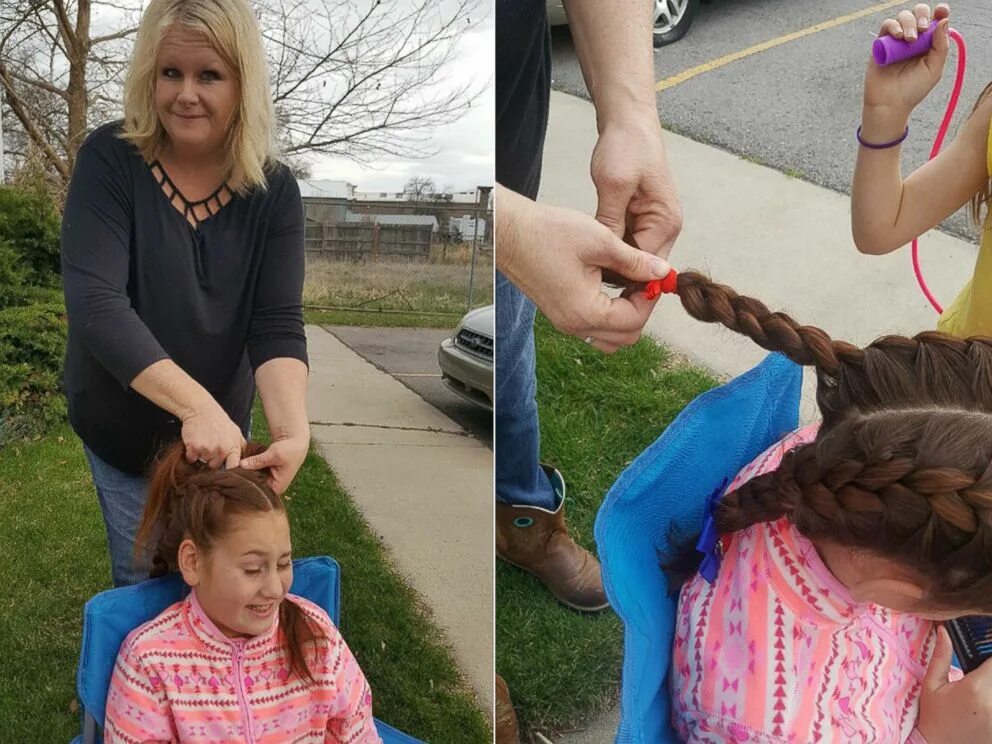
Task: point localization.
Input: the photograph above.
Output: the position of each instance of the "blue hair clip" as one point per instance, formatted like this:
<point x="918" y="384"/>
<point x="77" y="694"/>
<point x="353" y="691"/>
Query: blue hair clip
<point x="709" y="541"/>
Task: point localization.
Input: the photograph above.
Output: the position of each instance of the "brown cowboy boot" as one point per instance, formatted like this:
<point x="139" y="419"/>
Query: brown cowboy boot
<point x="537" y="541"/>
<point x="506" y="717"/>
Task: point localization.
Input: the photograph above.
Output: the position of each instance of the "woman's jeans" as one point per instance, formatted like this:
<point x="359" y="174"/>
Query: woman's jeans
<point x="519" y="478"/>
<point x="122" y="500"/>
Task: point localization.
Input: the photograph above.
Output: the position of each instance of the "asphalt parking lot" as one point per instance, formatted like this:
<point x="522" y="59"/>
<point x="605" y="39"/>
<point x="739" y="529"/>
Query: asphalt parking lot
<point x="780" y="82"/>
<point x="410" y="355"/>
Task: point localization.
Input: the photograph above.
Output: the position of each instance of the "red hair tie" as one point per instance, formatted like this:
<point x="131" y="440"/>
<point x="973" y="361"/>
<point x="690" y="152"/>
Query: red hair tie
<point x="667" y="285"/>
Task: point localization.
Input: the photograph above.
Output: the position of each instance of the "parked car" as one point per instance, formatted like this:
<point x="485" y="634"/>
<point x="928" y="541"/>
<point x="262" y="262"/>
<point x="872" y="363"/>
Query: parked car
<point x="466" y="357"/>
<point x="672" y="18"/>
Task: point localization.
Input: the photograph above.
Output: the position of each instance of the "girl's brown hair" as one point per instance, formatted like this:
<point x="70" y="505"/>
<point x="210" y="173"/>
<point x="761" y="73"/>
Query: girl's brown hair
<point x="902" y="464"/>
<point x="192" y="501"/>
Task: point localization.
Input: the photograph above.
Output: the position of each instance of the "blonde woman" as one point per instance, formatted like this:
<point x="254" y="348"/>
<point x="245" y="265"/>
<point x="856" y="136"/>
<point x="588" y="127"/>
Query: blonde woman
<point x="182" y="259"/>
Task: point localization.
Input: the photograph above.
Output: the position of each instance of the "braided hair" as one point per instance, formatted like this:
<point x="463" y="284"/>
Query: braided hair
<point x="192" y="501"/>
<point x="927" y="370"/>
<point x="902" y="463"/>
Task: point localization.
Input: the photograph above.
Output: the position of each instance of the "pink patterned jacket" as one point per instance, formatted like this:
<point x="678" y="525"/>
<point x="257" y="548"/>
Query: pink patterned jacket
<point x="178" y="679"/>
<point x="775" y="651"/>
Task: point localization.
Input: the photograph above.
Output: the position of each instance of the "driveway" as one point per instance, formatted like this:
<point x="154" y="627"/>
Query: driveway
<point x="410" y="355"/>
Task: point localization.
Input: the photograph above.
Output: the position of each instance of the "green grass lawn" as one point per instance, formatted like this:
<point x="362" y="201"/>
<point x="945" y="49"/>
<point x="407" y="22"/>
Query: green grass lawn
<point x="53" y="557"/>
<point x="597" y="414"/>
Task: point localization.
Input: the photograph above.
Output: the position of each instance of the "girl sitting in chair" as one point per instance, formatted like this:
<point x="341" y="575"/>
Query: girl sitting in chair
<point x="836" y="552"/>
<point x="240" y="659"/>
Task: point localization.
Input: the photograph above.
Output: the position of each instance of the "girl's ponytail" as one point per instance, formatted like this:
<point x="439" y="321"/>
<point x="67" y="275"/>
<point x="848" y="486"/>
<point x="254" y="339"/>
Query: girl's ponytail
<point x="161" y="521"/>
<point x="299" y="631"/>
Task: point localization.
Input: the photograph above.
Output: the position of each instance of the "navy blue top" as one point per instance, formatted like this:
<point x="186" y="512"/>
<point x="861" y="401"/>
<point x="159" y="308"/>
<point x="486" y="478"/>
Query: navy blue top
<point x="523" y="88"/>
<point x="142" y="284"/>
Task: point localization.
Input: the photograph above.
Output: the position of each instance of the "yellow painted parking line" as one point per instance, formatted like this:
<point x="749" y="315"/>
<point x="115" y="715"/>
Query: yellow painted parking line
<point x="719" y="62"/>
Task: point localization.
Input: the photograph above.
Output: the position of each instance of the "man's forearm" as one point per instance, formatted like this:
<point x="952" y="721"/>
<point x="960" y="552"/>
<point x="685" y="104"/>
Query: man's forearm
<point x="613" y="41"/>
<point x="282" y="385"/>
<point x="508" y="211"/>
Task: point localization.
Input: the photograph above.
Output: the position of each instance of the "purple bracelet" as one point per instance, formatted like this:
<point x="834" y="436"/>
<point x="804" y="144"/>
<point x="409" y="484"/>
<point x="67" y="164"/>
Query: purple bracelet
<point x="884" y="146"/>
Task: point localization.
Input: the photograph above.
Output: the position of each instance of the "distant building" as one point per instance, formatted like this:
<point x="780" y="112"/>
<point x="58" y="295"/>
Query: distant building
<point x="332" y="202"/>
<point x="395" y="220"/>
<point x="448" y="197"/>
<point x="325" y="189"/>
<point x="467" y="227"/>
<point x="325" y="201"/>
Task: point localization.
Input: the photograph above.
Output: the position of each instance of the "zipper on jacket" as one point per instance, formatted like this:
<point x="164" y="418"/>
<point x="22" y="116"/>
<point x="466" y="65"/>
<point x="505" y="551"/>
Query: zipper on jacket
<point x="239" y="680"/>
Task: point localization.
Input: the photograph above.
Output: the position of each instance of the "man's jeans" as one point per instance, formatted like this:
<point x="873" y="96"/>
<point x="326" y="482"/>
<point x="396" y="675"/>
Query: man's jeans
<point x="519" y="478"/>
<point x="122" y="500"/>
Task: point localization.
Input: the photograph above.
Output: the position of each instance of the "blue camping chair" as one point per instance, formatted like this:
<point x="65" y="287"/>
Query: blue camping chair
<point x="111" y="615"/>
<point x="663" y="494"/>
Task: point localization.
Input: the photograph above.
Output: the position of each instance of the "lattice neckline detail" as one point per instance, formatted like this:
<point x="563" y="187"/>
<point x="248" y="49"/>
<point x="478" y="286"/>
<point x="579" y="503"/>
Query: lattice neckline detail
<point x="207" y="207"/>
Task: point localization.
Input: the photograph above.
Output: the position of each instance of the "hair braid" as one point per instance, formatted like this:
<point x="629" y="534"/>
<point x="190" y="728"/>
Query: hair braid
<point x="930" y="369"/>
<point x="717" y="303"/>
<point x="875" y="483"/>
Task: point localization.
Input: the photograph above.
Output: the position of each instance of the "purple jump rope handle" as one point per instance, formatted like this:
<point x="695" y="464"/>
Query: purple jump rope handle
<point x="887" y="49"/>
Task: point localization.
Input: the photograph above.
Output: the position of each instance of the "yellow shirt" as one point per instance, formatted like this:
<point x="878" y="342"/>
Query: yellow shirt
<point x="971" y="312"/>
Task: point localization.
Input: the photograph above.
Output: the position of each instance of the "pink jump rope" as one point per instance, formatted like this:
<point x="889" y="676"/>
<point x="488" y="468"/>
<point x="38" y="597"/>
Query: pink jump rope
<point x="886" y="50"/>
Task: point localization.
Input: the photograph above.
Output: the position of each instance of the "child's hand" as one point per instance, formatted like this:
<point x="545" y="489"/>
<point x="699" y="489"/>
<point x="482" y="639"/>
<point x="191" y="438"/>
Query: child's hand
<point x="959" y="711"/>
<point x="901" y="86"/>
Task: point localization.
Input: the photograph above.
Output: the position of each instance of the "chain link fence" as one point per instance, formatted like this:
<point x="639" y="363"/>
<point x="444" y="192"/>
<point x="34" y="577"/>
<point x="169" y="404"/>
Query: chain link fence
<point x="403" y="269"/>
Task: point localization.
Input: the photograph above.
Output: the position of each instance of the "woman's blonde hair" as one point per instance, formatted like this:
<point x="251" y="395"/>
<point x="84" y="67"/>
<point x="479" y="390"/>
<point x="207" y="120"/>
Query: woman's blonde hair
<point x="230" y="27"/>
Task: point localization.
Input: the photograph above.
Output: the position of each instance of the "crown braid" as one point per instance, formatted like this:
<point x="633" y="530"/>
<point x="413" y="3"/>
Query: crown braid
<point x="911" y="485"/>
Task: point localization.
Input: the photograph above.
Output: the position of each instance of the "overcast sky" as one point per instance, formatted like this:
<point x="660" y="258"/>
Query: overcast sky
<point x="465" y="156"/>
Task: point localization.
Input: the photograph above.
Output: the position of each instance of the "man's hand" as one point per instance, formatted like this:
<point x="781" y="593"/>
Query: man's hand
<point x="637" y="198"/>
<point x="557" y="256"/>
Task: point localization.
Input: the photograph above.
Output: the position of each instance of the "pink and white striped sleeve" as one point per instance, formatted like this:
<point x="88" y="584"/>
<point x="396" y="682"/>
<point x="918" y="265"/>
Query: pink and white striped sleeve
<point x="137" y="708"/>
<point x="351" y="722"/>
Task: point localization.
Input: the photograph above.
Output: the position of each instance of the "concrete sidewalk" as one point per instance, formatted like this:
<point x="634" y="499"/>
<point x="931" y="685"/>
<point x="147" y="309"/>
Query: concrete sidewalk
<point x="770" y="236"/>
<point x="423" y="485"/>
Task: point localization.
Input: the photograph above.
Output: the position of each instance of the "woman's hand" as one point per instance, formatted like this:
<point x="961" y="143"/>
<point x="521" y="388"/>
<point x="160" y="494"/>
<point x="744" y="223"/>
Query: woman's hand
<point x="211" y="437"/>
<point x="952" y="712"/>
<point x="900" y="87"/>
<point x="283" y="458"/>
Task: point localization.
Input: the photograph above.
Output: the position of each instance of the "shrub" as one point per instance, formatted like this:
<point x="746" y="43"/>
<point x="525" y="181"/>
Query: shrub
<point x="29" y="225"/>
<point x="32" y="345"/>
<point x="13" y="274"/>
<point x="32" y="314"/>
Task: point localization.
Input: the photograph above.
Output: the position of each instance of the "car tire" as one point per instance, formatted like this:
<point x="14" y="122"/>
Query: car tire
<point x="666" y="32"/>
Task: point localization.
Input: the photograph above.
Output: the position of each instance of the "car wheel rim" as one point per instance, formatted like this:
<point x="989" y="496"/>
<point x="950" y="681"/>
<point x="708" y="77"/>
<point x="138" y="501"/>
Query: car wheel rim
<point x="668" y="14"/>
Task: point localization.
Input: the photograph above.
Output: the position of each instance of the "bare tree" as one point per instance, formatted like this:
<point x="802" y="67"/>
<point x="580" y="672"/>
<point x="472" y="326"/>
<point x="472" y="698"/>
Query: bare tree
<point x="350" y="78"/>
<point x="420" y="189"/>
